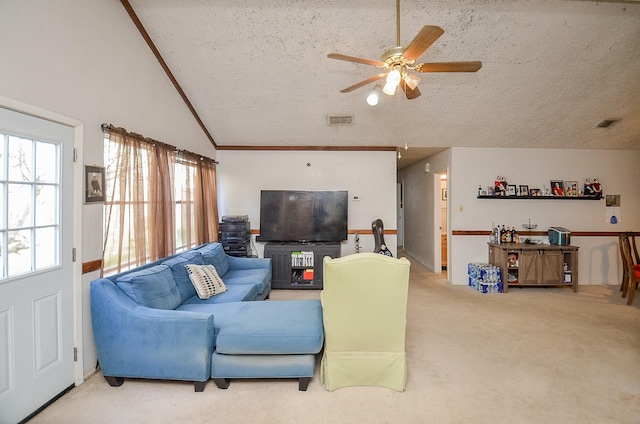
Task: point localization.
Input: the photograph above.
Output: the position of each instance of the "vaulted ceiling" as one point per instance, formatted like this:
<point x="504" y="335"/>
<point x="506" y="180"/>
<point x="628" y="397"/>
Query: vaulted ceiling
<point x="257" y="74"/>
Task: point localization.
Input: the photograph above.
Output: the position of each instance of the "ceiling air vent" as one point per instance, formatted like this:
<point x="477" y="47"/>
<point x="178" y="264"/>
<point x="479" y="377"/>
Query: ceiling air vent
<point x="340" y="119"/>
<point x="606" y="123"/>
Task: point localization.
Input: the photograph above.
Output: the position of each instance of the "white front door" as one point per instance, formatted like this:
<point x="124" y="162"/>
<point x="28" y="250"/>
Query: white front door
<point x="36" y="279"/>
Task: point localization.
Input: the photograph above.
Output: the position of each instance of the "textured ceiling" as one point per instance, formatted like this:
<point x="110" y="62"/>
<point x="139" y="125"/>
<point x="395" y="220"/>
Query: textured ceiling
<point x="257" y="72"/>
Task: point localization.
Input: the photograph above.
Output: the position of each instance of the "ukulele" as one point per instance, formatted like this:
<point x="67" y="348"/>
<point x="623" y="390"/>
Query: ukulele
<point x="378" y="235"/>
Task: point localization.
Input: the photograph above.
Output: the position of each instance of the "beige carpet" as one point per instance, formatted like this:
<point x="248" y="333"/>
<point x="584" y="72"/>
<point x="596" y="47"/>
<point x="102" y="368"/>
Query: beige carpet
<point x="529" y="356"/>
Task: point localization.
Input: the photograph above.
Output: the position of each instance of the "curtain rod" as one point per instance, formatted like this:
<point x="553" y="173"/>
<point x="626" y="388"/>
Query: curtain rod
<point x="108" y="128"/>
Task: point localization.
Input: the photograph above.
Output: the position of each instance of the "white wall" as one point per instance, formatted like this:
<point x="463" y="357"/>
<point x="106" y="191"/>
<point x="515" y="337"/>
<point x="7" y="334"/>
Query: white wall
<point x="618" y="171"/>
<point x="86" y="60"/>
<point x="370" y="175"/>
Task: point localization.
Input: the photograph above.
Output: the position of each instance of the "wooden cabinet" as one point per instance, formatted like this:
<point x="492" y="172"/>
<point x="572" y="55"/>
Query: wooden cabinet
<point x="535" y="264"/>
<point x="291" y="268"/>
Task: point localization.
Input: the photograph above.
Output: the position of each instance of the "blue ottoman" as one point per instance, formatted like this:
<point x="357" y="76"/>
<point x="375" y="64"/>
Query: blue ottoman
<point x="268" y="339"/>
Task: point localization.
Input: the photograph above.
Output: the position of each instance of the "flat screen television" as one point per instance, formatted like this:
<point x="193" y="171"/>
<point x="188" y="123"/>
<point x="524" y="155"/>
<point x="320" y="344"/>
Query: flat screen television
<point x="303" y="216"/>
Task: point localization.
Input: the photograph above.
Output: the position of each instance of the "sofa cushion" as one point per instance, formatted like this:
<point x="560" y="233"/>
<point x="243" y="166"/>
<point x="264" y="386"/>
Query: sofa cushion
<point x="180" y="274"/>
<point x="265" y="328"/>
<point x="213" y="254"/>
<point x="261" y="277"/>
<point x="152" y="287"/>
<point x="238" y="293"/>
<point x="205" y="280"/>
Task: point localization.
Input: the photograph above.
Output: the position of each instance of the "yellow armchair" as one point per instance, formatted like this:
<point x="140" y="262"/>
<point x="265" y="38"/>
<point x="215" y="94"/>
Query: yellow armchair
<point x="364" y="309"/>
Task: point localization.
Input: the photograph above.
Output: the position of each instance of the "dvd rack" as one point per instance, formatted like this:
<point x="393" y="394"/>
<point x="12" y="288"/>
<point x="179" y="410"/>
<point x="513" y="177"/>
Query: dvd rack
<point x="234" y="233"/>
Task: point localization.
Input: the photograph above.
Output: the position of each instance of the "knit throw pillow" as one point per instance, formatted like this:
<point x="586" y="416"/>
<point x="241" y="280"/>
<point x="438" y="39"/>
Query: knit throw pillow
<point x="205" y="280"/>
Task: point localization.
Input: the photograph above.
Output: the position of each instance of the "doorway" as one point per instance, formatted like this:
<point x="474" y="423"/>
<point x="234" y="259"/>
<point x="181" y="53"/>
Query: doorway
<point x="443" y="222"/>
<point x="400" y="214"/>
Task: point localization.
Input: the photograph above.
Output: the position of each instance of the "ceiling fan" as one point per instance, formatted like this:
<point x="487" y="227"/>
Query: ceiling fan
<point x="398" y="61"/>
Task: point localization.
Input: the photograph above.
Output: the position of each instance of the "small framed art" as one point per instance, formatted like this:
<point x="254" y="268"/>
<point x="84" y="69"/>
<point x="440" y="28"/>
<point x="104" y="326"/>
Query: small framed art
<point x="524" y="190"/>
<point x="571" y="188"/>
<point x="534" y="192"/>
<point x="557" y="187"/>
<point x="511" y="190"/>
<point x="94" y="182"/>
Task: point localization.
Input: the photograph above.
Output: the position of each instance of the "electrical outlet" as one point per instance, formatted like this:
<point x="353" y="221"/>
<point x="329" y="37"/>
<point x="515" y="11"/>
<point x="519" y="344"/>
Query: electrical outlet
<point x="355" y="198"/>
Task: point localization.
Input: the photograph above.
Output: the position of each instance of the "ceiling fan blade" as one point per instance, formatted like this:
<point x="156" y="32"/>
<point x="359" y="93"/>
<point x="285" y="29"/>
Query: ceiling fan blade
<point x="339" y="56"/>
<point x="363" y="83"/>
<point x="411" y="94"/>
<point x="472" y="66"/>
<point x="426" y="37"/>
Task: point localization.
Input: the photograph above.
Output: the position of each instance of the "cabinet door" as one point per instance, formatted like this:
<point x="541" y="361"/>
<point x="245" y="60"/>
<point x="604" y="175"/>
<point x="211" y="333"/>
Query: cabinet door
<point x="319" y="254"/>
<point x="280" y="266"/>
<point x="552" y="272"/>
<point x="529" y="271"/>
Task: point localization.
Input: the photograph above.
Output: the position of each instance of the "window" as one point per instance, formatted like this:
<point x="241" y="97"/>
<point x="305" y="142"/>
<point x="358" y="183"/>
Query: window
<point x="184" y="184"/>
<point x="159" y="200"/>
<point x="29" y="205"/>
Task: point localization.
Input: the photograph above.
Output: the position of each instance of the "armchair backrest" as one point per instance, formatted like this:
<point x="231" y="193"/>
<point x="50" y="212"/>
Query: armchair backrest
<point x="364" y="302"/>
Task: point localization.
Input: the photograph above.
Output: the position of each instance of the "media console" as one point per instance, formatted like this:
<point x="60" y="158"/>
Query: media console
<point x="298" y="265"/>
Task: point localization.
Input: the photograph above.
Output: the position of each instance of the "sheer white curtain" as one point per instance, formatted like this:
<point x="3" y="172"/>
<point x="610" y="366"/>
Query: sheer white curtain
<point x="159" y="200"/>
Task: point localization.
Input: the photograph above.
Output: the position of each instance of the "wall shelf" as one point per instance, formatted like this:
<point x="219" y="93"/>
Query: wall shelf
<point x="541" y="197"/>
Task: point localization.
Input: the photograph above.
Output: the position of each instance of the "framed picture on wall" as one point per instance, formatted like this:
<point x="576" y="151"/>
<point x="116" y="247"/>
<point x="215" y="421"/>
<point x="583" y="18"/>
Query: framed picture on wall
<point x="94" y="182"/>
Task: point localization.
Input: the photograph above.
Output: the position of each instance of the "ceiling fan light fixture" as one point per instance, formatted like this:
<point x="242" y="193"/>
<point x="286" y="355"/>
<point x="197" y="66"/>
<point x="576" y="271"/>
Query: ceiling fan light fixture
<point x="412" y="81"/>
<point x="393" y="80"/>
<point x="389" y="89"/>
<point x="394" y="77"/>
<point x="373" y="97"/>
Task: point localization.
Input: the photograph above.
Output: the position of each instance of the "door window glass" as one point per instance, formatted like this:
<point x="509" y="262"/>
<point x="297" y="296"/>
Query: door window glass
<point x="29" y="205"/>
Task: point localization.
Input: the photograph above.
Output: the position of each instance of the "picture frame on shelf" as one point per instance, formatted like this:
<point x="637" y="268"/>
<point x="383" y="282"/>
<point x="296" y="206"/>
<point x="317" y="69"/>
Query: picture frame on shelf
<point x="571" y="188"/>
<point x="94" y="182"/>
<point x="557" y="187"/>
<point x="511" y="190"/>
<point x="524" y="190"/>
<point x="534" y="192"/>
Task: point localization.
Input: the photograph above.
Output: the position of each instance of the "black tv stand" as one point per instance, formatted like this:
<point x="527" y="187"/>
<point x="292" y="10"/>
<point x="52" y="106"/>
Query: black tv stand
<point x="298" y="265"/>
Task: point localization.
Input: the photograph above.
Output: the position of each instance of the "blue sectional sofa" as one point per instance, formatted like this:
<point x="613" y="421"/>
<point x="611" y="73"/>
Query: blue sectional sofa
<point x="150" y="323"/>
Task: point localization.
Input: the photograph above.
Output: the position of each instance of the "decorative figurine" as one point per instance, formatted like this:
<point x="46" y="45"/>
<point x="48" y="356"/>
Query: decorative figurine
<point x="588" y="187"/>
<point x="597" y="188"/>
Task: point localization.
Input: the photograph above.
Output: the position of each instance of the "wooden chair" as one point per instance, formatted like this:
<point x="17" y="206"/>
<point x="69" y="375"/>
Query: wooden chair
<point x="633" y="271"/>
<point x="632" y="240"/>
<point x="625" y="273"/>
